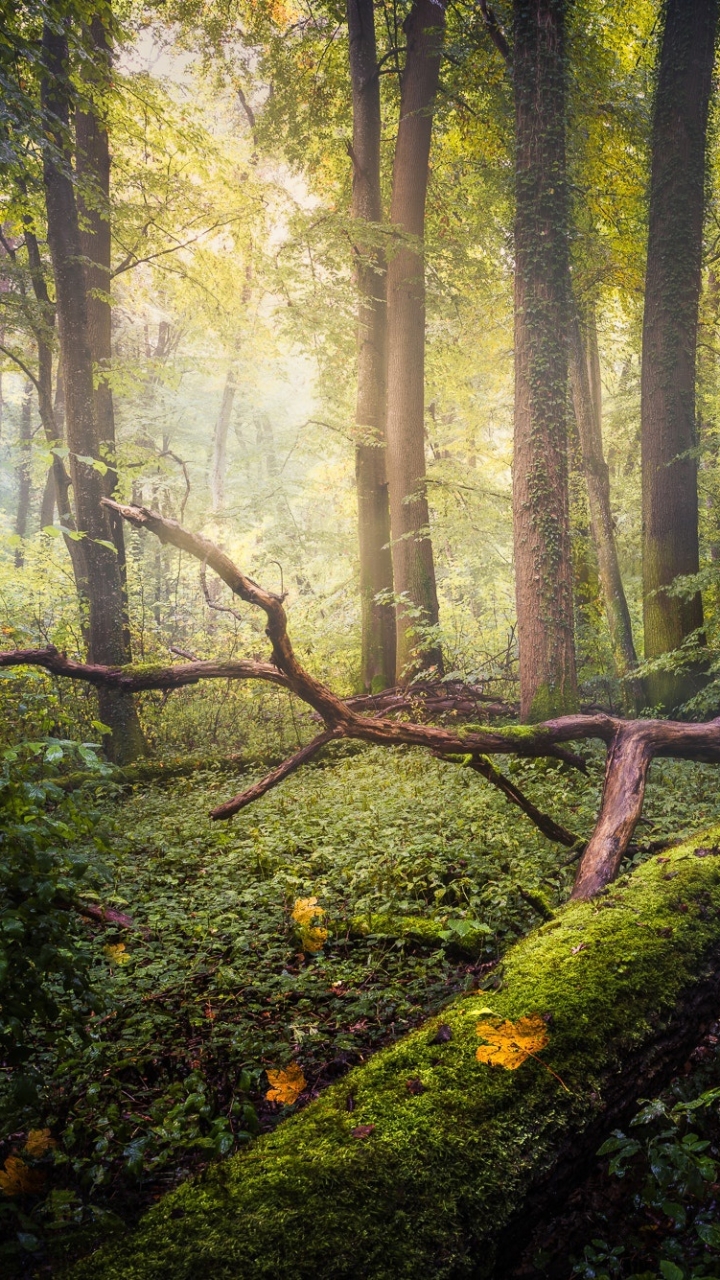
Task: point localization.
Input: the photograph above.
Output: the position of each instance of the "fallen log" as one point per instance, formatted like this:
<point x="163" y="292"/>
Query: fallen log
<point x="442" y="1164"/>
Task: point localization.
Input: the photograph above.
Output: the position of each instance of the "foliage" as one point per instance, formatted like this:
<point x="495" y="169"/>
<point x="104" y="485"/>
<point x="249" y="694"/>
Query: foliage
<point x="44" y="959"/>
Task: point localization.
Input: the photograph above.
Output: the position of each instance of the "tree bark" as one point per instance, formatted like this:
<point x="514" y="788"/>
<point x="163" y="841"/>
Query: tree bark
<point x="672" y="293"/>
<point x="543" y="565"/>
<point x="23" y="474"/>
<point x="107" y="632"/>
<point x="412" y="554"/>
<point x="587" y="402"/>
<point x="378" y="630"/>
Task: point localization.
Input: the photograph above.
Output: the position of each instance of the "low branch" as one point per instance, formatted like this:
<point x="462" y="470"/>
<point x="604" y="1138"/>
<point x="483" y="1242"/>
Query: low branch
<point x="137" y="679"/>
<point x="632" y="744"/>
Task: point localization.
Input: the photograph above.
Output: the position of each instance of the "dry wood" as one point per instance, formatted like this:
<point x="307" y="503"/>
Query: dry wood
<point x="631" y="744"/>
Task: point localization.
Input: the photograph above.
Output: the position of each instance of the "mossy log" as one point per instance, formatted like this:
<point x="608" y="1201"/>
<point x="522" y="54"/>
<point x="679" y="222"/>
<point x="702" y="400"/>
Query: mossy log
<point x="447" y="1177"/>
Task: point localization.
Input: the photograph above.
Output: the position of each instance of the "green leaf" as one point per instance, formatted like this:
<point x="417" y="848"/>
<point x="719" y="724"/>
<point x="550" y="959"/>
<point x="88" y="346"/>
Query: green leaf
<point x="670" y="1272"/>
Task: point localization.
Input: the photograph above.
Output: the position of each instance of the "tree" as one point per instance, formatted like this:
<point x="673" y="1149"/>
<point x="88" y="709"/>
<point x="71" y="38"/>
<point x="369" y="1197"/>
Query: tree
<point x="412" y="554"/>
<point x="106" y="627"/>
<point x="587" y="401"/>
<point x="672" y="294"/>
<point x="378" y="629"/>
<point x="548" y="682"/>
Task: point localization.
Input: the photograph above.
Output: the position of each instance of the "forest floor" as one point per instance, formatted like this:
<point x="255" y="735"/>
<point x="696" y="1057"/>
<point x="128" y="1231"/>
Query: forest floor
<point x="213" y="988"/>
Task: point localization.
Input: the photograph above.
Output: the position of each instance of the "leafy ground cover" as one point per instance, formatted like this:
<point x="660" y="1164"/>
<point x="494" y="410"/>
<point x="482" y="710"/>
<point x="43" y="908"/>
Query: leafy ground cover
<point x="216" y="992"/>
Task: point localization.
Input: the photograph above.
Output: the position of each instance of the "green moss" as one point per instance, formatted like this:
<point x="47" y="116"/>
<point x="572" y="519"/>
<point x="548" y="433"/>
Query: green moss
<point x="426" y="1193"/>
<point x="459" y="938"/>
<point x="551" y="701"/>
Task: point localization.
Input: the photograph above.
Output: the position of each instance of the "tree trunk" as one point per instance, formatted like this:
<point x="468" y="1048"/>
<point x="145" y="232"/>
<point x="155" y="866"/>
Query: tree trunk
<point x="378" y="631"/>
<point x="93" y="170"/>
<point x="222" y="426"/>
<point x="428" y="1162"/>
<point x="23" y="474"/>
<point x="107" y="637"/>
<point x="587" y="402"/>
<point x="412" y="554"/>
<point x="543" y="563"/>
<point x="672" y="293"/>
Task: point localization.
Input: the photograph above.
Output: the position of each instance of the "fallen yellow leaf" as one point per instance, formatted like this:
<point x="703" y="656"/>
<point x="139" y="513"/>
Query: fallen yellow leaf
<point x="117" y="953"/>
<point x="38" y="1142"/>
<point x="287" y="1085"/>
<point x="511" y="1043"/>
<point x="16" y="1179"/>
<point x="305" y="909"/>
<point x="313" y="936"/>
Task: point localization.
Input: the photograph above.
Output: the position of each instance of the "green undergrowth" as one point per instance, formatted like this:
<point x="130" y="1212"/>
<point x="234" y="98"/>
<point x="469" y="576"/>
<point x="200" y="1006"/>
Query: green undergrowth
<point x="411" y="1166"/>
<point x="426" y="876"/>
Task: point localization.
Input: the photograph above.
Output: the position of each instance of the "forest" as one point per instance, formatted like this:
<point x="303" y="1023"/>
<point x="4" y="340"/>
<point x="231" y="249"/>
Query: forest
<point x="360" y="639"/>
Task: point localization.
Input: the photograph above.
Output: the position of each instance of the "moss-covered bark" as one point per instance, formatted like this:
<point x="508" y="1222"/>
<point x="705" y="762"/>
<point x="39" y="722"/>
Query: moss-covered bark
<point x="436" y="1187"/>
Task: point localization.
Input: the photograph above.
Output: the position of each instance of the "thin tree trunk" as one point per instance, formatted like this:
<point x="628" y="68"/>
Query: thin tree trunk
<point x="23" y="474"/>
<point x="222" y="426"/>
<point x="378" y="631"/>
<point x="105" y="596"/>
<point x="543" y="564"/>
<point x="672" y="294"/>
<point x="587" y="401"/>
<point x="412" y="554"/>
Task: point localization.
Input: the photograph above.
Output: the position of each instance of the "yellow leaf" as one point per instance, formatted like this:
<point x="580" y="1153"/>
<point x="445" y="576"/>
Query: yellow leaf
<point x="117" y="953"/>
<point x="510" y="1043"/>
<point x="304" y="911"/>
<point x="286" y="1085"/>
<point x="313" y="939"/>
<point x="38" y="1142"/>
<point x="17" y="1180"/>
<point x="313" y="936"/>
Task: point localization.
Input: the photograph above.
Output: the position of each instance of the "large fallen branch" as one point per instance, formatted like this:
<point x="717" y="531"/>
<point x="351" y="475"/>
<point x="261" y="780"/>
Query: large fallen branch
<point x="631" y="744"/>
<point x="426" y="1163"/>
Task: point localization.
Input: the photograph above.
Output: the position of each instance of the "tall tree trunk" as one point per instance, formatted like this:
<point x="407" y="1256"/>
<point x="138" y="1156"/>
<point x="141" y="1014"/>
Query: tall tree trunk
<point x="378" y="631"/>
<point x="222" y="426"/>
<point x="93" y="169"/>
<point x="672" y="294"/>
<point x="543" y="564"/>
<point x="23" y="474"/>
<point x="107" y="641"/>
<point x="412" y="554"/>
<point x="587" y="402"/>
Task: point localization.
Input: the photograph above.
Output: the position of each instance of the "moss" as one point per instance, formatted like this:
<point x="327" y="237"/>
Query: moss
<point x="551" y="701"/>
<point x="466" y="942"/>
<point x="427" y="1191"/>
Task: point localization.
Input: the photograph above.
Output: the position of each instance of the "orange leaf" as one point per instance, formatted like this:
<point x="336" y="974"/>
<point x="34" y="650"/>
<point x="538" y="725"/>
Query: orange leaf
<point x="17" y="1180"/>
<point x="38" y="1142"/>
<point x="511" y="1043"/>
<point x="287" y="1085"/>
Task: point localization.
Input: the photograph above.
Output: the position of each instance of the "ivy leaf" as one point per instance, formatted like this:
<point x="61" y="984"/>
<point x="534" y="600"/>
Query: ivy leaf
<point x="511" y="1043"/>
<point x="117" y="953"/>
<point x="16" y="1179"/>
<point x="287" y="1085"/>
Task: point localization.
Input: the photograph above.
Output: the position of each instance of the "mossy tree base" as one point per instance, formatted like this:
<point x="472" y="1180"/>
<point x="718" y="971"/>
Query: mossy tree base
<point x="446" y="1179"/>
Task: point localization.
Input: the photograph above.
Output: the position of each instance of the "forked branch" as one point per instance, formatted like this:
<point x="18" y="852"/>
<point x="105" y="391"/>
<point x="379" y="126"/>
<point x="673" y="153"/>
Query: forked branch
<point x="632" y="744"/>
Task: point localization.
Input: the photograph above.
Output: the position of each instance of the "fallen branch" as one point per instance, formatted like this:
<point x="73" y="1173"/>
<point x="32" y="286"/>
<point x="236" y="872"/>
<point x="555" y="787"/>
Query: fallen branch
<point x="272" y="779"/>
<point x="631" y="744"/>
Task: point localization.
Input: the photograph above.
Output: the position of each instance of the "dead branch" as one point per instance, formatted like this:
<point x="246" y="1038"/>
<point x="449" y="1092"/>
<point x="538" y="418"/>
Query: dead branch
<point x="137" y="679"/>
<point x="631" y="744"/>
<point x="272" y="779"/>
<point x="543" y="821"/>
